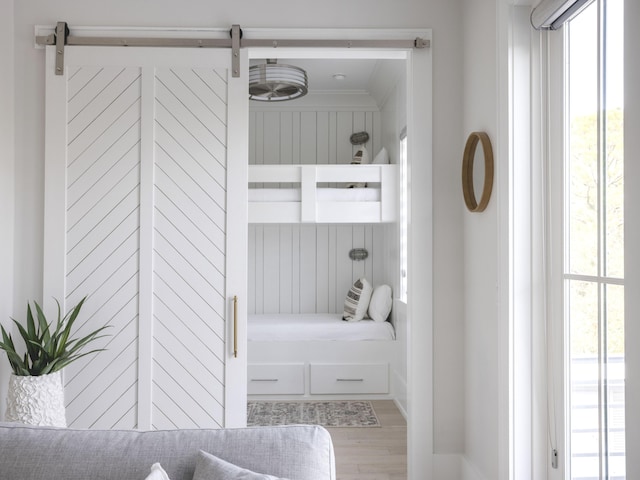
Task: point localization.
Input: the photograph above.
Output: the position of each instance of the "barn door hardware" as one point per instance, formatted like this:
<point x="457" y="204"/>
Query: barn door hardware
<point x="61" y="37"/>
<point x="236" y="36"/>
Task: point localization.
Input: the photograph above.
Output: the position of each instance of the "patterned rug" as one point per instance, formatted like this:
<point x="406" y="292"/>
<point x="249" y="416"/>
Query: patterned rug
<point x="327" y="414"/>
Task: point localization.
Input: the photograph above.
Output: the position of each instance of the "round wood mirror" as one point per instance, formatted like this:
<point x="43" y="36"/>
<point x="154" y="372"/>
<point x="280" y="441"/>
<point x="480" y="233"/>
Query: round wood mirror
<point x="468" y="161"/>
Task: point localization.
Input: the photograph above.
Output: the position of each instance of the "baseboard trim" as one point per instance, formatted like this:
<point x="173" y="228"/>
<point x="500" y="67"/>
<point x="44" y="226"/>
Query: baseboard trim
<point x="469" y="471"/>
<point x="401" y="408"/>
<point x="399" y="390"/>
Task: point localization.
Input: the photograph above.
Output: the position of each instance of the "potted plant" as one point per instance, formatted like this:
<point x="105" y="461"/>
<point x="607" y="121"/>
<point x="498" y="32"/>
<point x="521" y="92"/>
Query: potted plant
<point x="36" y="394"/>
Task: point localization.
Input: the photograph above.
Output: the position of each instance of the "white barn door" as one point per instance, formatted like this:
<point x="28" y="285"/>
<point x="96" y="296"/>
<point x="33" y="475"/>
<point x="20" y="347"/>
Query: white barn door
<point x="145" y="190"/>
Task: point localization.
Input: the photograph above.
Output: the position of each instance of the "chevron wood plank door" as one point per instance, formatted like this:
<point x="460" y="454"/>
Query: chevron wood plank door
<point x="145" y="188"/>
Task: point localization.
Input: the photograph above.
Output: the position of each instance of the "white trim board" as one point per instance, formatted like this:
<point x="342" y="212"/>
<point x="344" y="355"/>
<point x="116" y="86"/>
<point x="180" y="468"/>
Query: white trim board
<point x="7" y="186"/>
<point x="419" y="129"/>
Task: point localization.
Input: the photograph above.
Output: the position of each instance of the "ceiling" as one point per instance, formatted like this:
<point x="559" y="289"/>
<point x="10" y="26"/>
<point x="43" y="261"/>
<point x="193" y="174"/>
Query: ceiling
<point x="320" y="72"/>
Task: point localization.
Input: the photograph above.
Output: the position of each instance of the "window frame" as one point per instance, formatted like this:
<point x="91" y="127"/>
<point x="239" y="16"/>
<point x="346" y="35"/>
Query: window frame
<point x="557" y="283"/>
<point x="403" y="217"/>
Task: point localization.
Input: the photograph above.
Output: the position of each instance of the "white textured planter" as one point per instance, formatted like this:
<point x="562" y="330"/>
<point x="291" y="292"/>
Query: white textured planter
<point x="37" y="400"/>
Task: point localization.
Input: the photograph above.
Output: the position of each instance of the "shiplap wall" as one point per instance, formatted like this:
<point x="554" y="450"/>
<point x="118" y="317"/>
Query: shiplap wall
<point x="303" y="137"/>
<point x="306" y="268"/>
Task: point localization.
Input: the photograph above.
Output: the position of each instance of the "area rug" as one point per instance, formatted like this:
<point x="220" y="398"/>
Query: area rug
<point x="327" y="414"/>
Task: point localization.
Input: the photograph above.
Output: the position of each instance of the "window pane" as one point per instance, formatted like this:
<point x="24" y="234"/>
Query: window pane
<point x="594" y="241"/>
<point x="583" y="143"/>
<point x="614" y="102"/>
<point x="615" y="380"/>
<point x="584" y="376"/>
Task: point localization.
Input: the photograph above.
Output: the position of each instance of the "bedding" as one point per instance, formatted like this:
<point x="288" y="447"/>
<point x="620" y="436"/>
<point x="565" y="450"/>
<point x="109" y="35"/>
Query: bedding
<point x="322" y="195"/>
<point x="315" y="327"/>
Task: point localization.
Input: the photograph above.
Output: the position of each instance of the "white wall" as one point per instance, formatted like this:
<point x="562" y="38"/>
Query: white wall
<point x="632" y="234"/>
<point x="444" y="17"/>
<point x="307" y="269"/>
<point x="7" y="168"/>
<point x="448" y="237"/>
<point x="482" y="294"/>
<point x="315" y="135"/>
<point x="487" y="24"/>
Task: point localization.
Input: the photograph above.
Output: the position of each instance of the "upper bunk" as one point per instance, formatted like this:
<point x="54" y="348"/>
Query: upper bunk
<point x="362" y="193"/>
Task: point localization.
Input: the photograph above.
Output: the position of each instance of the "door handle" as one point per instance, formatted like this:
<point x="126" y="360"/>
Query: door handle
<point x="235" y="326"/>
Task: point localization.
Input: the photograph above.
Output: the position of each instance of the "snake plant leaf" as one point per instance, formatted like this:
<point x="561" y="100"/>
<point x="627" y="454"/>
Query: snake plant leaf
<point x="44" y="325"/>
<point x="18" y="366"/>
<point x="30" y="323"/>
<point x="32" y="350"/>
<point x="69" y="323"/>
<point x="14" y="359"/>
<point x="49" y="346"/>
<point x="6" y="338"/>
<point x="9" y="348"/>
<point x="63" y="362"/>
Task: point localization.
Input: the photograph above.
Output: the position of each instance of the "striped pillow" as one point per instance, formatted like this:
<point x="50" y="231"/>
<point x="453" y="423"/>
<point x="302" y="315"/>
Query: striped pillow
<point x="357" y="301"/>
<point x="360" y="158"/>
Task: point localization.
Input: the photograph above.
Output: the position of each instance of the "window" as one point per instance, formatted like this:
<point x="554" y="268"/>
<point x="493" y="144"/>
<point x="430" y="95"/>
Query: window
<point x="404" y="218"/>
<point x="593" y="272"/>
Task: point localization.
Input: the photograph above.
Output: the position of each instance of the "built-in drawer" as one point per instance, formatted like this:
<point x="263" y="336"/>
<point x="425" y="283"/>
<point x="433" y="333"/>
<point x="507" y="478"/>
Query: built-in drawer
<point x="275" y="379"/>
<point x="352" y="378"/>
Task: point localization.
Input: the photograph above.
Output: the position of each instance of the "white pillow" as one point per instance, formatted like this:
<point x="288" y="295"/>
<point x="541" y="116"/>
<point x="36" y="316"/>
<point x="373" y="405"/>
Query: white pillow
<point x="357" y="301"/>
<point x="210" y="467"/>
<point x="382" y="157"/>
<point x="361" y="157"/>
<point x="380" y="304"/>
<point x="157" y="473"/>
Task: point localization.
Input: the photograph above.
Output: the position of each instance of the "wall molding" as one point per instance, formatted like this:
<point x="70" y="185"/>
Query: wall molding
<point x="399" y="389"/>
<point x="322" y="102"/>
<point x="468" y="470"/>
<point x="7" y="185"/>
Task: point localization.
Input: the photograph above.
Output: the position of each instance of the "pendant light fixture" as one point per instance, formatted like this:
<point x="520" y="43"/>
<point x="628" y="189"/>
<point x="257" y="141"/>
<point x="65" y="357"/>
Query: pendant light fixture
<point x="274" y="82"/>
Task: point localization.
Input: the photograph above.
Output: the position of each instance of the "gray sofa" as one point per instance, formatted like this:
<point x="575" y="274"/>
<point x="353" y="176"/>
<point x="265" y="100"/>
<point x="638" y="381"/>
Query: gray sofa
<point x="35" y="453"/>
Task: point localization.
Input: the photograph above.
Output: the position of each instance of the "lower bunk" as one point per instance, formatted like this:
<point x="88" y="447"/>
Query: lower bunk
<point x="320" y="356"/>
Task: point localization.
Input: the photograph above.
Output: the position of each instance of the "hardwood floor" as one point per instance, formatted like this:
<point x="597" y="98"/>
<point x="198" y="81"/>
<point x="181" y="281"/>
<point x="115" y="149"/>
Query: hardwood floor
<point x="373" y="453"/>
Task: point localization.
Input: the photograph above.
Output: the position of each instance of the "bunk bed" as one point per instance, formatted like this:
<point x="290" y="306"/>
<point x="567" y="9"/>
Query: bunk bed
<point x="294" y="356"/>
<point x="363" y="193"/>
<point x="315" y="327"/>
<point x="312" y="355"/>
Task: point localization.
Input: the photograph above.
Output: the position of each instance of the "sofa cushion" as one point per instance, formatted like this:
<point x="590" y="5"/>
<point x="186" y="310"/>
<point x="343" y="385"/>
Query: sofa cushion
<point x="157" y="473"/>
<point x="39" y="453"/>
<point x="210" y="467"/>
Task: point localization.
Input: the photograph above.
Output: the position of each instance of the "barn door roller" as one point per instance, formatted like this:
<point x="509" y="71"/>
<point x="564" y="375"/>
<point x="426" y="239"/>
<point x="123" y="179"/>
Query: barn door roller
<point x="61" y="37"/>
<point x="62" y="33"/>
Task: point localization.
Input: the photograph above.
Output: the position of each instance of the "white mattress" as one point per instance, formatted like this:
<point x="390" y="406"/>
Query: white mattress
<point x="322" y="194"/>
<point x="315" y="326"/>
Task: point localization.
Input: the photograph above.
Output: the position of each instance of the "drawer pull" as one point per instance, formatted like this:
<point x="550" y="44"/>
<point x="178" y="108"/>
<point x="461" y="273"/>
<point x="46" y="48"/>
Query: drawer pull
<point x="264" y="379"/>
<point x="350" y="379"/>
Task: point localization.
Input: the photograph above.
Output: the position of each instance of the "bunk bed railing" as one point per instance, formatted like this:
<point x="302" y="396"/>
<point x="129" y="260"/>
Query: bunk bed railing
<point x="311" y="209"/>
